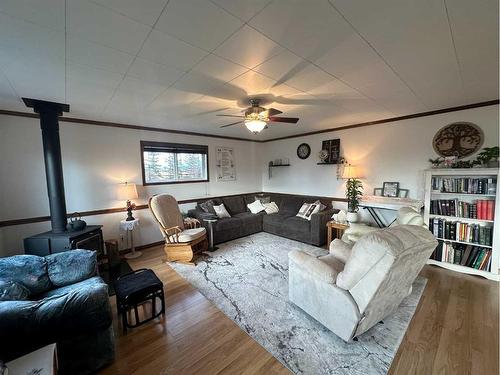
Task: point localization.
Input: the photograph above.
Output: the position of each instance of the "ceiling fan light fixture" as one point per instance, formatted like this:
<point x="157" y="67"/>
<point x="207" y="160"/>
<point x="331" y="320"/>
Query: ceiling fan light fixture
<point x="255" y="126"/>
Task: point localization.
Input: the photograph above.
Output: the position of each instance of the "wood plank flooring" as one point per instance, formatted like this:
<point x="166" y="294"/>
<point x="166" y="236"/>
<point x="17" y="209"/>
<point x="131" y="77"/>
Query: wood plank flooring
<point x="455" y="330"/>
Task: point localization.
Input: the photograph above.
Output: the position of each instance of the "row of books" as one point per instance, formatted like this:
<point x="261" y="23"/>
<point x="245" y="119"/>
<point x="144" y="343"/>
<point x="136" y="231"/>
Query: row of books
<point x="459" y="231"/>
<point x="465" y="255"/>
<point x="464" y="185"/>
<point x="478" y="209"/>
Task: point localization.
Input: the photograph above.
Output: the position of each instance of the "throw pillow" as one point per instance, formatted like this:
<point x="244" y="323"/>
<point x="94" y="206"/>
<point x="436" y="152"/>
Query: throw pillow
<point x="271" y="208"/>
<point x="263" y="199"/>
<point x="321" y="205"/>
<point x="256" y="207"/>
<point x="208" y="207"/>
<point x="307" y="210"/>
<point x="221" y="211"/>
<point x="13" y="291"/>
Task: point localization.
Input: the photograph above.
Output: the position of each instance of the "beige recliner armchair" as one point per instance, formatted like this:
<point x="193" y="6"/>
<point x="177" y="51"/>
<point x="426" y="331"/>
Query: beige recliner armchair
<point x="357" y="285"/>
<point x="406" y="216"/>
<point x="181" y="242"/>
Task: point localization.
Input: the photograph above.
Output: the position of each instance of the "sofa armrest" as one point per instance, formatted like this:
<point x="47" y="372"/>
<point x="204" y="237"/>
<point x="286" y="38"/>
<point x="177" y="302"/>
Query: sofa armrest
<point x="318" y="226"/>
<point x="313" y="266"/>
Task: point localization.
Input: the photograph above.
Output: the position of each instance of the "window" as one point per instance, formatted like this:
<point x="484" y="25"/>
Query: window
<point x="171" y="163"/>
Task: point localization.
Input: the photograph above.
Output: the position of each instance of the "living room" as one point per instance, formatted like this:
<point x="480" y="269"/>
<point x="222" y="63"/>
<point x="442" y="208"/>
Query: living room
<point x="220" y="144"/>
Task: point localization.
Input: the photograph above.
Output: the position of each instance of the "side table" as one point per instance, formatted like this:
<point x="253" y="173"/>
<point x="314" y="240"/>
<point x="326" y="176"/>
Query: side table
<point x="211" y="222"/>
<point x="129" y="226"/>
<point x="339" y="229"/>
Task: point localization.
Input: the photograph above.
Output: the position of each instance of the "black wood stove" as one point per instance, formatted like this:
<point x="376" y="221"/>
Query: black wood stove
<point x="59" y="238"/>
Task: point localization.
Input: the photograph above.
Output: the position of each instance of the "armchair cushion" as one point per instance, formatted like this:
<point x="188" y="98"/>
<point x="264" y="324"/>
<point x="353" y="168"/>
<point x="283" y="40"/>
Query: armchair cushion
<point x="28" y="270"/>
<point x="71" y="267"/>
<point x="340" y="250"/>
<point x="13" y="291"/>
<point x="188" y="235"/>
<point x="316" y="267"/>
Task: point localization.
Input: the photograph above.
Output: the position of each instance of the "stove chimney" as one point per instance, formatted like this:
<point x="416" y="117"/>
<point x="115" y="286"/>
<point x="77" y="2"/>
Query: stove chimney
<point x="49" y="122"/>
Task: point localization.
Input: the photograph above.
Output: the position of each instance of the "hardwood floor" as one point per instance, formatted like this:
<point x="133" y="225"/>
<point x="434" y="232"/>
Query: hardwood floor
<point x="455" y="330"/>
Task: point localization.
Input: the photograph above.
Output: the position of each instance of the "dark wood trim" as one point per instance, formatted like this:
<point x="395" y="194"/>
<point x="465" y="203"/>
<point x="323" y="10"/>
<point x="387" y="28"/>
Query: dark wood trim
<point x="105" y="211"/>
<point x="391" y="119"/>
<point x="203" y="150"/>
<point x="125" y="126"/>
<point x="182" y="132"/>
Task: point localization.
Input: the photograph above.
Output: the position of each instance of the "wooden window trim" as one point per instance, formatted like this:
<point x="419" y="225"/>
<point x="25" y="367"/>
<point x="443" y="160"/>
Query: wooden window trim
<point x="202" y="149"/>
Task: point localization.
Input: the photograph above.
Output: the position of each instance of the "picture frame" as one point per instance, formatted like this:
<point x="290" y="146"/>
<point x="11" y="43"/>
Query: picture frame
<point x="403" y="193"/>
<point x="377" y="192"/>
<point x="390" y="189"/>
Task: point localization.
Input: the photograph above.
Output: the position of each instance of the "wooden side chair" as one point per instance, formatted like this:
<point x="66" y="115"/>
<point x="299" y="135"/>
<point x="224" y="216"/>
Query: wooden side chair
<point x="183" y="238"/>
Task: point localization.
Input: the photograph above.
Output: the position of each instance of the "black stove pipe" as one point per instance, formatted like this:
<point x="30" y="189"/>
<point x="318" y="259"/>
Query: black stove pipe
<point x="49" y="122"/>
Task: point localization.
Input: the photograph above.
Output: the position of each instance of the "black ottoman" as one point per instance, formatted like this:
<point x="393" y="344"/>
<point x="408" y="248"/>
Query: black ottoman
<point x="135" y="288"/>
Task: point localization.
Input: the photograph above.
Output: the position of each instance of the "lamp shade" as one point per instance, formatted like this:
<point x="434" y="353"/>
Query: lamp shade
<point x="127" y="191"/>
<point x="255" y="126"/>
<point x="350" y="171"/>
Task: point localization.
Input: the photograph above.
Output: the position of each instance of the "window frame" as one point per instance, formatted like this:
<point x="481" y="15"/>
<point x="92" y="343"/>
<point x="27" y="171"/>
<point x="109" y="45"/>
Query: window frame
<point x="202" y="148"/>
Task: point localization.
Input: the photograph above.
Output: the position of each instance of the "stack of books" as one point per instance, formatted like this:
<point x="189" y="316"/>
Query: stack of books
<point x="459" y="231"/>
<point x="464" y="185"/>
<point x="481" y="209"/>
<point x="465" y="255"/>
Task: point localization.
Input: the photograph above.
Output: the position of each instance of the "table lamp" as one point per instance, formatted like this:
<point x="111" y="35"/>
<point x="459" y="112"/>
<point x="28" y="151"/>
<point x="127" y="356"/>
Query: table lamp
<point x="126" y="192"/>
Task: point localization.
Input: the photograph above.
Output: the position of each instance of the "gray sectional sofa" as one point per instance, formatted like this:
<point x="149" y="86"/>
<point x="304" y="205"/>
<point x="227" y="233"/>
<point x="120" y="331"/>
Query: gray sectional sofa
<point x="285" y="223"/>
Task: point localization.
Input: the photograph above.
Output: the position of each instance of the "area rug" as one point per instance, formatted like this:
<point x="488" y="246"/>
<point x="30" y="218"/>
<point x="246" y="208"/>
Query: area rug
<point x="248" y="280"/>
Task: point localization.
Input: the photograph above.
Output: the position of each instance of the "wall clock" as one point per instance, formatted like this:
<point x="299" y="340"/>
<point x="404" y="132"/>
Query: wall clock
<point x="458" y="139"/>
<point x="303" y="151"/>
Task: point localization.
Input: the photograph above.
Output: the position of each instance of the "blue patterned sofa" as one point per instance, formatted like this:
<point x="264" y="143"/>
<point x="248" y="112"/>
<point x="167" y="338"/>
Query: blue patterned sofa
<point x="58" y="298"/>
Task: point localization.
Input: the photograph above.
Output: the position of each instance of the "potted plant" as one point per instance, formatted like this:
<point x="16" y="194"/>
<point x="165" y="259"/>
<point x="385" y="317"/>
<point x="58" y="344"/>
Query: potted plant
<point x="489" y="157"/>
<point x="353" y="194"/>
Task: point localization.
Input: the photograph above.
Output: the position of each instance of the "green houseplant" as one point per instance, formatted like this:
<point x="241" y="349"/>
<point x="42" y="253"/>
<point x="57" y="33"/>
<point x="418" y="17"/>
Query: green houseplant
<point x="353" y="192"/>
<point x="489" y="156"/>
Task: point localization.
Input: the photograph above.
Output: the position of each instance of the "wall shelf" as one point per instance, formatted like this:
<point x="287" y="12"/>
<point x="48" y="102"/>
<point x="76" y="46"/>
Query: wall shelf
<point x="274" y="166"/>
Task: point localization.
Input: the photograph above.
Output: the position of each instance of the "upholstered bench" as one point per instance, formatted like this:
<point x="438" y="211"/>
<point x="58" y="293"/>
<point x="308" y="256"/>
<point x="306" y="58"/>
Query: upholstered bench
<point x="134" y="289"/>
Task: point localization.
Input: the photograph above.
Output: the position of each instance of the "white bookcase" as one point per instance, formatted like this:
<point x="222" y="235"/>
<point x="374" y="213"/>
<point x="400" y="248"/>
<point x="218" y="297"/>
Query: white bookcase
<point x="431" y="194"/>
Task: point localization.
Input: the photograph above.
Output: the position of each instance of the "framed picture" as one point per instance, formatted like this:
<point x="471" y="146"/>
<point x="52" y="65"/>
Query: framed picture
<point x="390" y="189"/>
<point x="377" y="192"/>
<point x="332" y="147"/>
<point x="403" y="193"/>
<point x="226" y="170"/>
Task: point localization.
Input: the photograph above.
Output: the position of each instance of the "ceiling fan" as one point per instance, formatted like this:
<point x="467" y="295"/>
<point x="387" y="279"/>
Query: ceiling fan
<point x="256" y="117"/>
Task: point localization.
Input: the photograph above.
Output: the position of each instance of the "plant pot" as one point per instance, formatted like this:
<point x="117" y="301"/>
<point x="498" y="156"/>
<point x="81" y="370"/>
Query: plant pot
<point x="352" y="217"/>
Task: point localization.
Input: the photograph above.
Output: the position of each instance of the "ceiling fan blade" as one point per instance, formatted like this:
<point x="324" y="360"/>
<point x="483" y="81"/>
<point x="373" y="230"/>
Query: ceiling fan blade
<point x="290" y="120"/>
<point x="230" y="115"/>
<point x="231" y="124"/>
<point x="273" y="112"/>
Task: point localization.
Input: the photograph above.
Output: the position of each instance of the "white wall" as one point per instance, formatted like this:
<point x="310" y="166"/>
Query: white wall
<point x="95" y="160"/>
<point x="395" y="151"/>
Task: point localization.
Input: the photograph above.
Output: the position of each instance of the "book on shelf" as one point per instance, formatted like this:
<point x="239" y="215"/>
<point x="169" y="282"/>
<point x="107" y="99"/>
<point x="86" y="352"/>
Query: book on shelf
<point x="461" y="231"/>
<point x="464" y="185"/>
<point x="465" y="255"/>
<point x="482" y="209"/>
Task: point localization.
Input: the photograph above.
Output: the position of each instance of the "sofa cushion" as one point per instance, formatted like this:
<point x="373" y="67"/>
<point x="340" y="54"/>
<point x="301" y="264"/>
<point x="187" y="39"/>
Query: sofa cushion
<point x="291" y="204"/>
<point x="227" y="224"/>
<point x="28" y="270"/>
<point x="275" y="219"/>
<point x="297" y="224"/>
<point x="71" y="266"/>
<point x="13" y="291"/>
<point x="235" y="205"/>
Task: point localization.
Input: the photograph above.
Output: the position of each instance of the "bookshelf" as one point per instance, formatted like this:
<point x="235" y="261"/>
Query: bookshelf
<point x="462" y="211"/>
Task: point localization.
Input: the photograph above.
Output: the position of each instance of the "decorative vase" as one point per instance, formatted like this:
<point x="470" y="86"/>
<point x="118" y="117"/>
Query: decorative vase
<point x="352" y="217"/>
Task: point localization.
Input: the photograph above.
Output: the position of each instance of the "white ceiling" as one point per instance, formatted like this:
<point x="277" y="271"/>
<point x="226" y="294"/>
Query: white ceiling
<point x="177" y="63"/>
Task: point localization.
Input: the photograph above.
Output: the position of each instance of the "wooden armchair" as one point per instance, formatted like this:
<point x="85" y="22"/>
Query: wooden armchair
<point x="183" y="238"/>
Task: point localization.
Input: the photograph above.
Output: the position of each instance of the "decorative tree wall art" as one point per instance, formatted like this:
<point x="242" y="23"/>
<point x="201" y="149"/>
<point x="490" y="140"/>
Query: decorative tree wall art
<point x="458" y="139"/>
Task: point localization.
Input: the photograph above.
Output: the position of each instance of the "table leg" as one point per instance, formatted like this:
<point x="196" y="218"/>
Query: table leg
<point x="329" y="236"/>
<point x="133" y="254"/>
<point x="211" y="239"/>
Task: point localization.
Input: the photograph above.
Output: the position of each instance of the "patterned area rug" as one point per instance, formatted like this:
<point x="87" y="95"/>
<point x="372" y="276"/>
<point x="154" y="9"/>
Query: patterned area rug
<point x="248" y="280"/>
